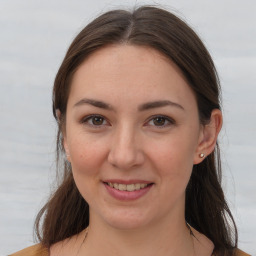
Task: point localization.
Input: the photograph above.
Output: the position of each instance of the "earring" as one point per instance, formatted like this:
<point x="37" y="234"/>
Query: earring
<point x="201" y="155"/>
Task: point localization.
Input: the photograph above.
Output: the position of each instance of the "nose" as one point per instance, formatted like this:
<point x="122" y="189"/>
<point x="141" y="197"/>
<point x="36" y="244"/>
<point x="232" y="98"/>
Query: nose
<point x="125" y="150"/>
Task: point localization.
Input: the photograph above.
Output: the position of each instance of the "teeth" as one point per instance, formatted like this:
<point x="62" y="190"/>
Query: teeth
<point x="129" y="187"/>
<point x="122" y="187"/>
<point x="137" y="186"/>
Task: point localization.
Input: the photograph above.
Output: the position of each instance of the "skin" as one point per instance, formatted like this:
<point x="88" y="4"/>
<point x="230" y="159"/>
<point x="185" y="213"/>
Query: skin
<point x="126" y="141"/>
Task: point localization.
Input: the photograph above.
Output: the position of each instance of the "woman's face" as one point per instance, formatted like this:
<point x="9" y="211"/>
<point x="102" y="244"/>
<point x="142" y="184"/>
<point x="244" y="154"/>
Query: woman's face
<point x="132" y="135"/>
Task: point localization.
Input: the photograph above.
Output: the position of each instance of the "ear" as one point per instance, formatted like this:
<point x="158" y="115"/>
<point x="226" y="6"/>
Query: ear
<point x="208" y="136"/>
<point x="58" y="115"/>
<point x="65" y="145"/>
<point x="64" y="140"/>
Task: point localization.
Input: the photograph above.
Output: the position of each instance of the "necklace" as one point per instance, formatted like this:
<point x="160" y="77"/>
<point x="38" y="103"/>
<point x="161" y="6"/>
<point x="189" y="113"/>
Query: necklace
<point x="194" y="237"/>
<point x="188" y="226"/>
<point x="85" y="235"/>
<point x="191" y="235"/>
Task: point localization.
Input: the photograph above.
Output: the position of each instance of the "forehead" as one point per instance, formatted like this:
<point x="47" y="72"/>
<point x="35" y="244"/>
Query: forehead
<point x="125" y="56"/>
<point x="131" y="72"/>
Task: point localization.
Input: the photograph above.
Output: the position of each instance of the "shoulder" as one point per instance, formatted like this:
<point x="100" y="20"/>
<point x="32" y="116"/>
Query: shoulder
<point x="35" y="250"/>
<point x="239" y="252"/>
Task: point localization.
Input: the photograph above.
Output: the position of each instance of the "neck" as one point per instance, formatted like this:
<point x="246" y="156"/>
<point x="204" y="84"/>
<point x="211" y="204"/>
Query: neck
<point x="161" y="239"/>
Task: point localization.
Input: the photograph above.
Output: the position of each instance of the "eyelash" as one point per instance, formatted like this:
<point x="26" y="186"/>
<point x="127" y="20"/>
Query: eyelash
<point x="89" y="118"/>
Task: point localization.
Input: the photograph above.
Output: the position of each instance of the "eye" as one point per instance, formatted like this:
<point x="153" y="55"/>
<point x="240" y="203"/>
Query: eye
<point x="95" y="120"/>
<point x="160" y="121"/>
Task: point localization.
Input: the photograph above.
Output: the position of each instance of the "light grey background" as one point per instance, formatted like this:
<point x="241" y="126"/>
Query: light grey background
<point x="34" y="36"/>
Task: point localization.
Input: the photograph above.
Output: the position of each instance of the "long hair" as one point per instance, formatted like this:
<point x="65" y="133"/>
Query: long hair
<point x="66" y="213"/>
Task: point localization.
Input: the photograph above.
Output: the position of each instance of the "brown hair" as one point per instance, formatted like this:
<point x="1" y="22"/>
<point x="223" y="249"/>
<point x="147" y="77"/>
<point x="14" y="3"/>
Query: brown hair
<point x="67" y="213"/>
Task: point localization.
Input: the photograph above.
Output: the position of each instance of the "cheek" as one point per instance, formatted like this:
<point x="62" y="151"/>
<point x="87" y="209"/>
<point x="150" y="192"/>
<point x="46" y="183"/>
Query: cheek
<point x="173" y="160"/>
<point x="174" y="154"/>
<point x="86" y="155"/>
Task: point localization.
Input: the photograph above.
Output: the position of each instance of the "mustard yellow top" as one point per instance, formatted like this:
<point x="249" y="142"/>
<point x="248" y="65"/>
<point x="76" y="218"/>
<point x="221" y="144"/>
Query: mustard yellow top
<point x="39" y="250"/>
<point x="34" y="250"/>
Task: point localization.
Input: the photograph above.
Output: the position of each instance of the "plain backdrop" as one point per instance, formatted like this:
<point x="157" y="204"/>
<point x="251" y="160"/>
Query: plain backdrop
<point x="34" y="37"/>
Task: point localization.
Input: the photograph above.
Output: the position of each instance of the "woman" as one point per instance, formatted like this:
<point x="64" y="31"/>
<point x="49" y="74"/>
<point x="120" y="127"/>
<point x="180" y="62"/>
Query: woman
<point x="138" y="110"/>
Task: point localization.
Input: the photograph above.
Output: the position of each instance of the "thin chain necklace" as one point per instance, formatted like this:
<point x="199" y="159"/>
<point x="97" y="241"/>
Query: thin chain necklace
<point x="189" y="228"/>
<point x="85" y="235"/>
<point x="191" y="235"/>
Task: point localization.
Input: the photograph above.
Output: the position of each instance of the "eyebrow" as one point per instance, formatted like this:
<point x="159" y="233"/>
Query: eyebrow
<point x="158" y="104"/>
<point x="143" y="107"/>
<point x="95" y="103"/>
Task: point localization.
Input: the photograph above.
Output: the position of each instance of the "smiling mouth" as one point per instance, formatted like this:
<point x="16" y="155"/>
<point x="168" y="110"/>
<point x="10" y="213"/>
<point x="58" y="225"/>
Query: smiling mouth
<point x="128" y="187"/>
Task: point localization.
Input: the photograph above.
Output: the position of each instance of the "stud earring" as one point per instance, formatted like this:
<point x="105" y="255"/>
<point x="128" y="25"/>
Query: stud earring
<point x="201" y="155"/>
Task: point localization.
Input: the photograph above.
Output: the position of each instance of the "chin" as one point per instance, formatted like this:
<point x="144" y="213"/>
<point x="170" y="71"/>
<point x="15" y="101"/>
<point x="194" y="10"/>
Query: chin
<point x="127" y="219"/>
<point x="126" y="224"/>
